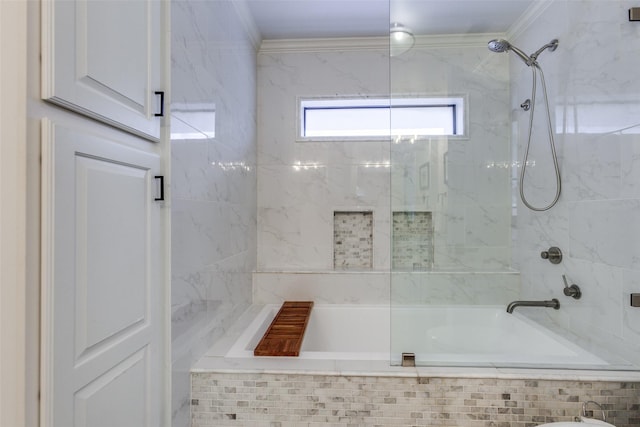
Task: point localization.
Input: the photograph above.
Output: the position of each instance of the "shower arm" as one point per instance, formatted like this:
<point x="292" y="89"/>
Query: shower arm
<point x="529" y="60"/>
<point x="552" y="45"/>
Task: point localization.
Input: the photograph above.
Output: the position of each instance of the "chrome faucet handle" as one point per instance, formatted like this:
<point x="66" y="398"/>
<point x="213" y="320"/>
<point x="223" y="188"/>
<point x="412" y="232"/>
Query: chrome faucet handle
<point x="554" y="255"/>
<point x="571" y="291"/>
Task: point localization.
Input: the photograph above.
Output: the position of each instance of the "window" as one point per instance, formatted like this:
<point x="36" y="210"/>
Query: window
<point x="380" y="117"/>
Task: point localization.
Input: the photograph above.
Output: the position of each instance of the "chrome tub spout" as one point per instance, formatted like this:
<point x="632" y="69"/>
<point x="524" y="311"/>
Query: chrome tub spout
<point x="554" y="303"/>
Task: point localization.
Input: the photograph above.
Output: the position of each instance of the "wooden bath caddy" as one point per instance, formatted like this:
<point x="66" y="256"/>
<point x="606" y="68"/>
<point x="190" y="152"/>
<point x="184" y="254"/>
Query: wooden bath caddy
<point x="286" y="332"/>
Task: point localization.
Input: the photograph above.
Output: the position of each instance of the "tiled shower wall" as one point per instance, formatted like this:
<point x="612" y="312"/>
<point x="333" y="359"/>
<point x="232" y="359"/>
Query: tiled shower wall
<point x="463" y="181"/>
<point x="301" y="184"/>
<point x="214" y="182"/>
<point x="594" y="93"/>
<point x="288" y="400"/>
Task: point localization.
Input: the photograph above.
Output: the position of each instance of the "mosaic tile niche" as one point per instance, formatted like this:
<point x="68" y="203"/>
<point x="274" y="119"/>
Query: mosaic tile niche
<point x="412" y="241"/>
<point x="287" y="400"/>
<point x="353" y="240"/>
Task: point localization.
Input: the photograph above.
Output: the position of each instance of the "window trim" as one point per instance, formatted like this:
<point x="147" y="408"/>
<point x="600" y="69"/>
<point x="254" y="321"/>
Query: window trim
<point x="383" y="101"/>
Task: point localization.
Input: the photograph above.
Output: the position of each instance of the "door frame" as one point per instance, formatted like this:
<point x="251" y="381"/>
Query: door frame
<point x="13" y="188"/>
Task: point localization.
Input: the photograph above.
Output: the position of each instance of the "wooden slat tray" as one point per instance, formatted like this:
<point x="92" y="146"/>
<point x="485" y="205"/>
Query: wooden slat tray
<point x="286" y="332"/>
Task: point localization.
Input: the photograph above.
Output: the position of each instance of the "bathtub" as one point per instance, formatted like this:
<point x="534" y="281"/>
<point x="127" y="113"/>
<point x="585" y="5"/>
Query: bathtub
<point x="437" y="335"/>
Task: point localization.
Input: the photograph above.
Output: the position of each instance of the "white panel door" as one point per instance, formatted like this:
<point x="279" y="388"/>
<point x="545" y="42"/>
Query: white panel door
<point x="104" y="344"/>
<point x="102" y="58"/>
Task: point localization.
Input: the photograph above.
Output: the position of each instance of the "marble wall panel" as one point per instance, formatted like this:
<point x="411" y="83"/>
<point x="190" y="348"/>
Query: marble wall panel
<point x="431" y="288"/>
<point x="344" y="175"/>
<point x="301" y="184"/>
<point x="594" y="100"/>
<point x="469" y="189"/>
<point x="214" y="182"/>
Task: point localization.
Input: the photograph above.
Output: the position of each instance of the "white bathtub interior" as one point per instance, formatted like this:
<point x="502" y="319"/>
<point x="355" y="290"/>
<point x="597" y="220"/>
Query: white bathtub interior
<point x="449" y="336"/>
<point x="334" y="331"/>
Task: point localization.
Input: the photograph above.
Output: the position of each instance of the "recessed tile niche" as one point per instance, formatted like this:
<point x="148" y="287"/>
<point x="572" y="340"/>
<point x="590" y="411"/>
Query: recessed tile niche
<point x="353" y="240"/>
<point x="412" y="241"/>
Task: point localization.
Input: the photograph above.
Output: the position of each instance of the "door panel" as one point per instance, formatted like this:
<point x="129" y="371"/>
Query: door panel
<point x="102" y="58"/>
<point x="103" y="344"/>
<point x="123" y="387"/>
<point x="117" y="62"/>
<point x="111" y="242"/>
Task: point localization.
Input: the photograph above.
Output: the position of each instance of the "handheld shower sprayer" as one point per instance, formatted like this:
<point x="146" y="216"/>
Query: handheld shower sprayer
<point x="501" y="45"/>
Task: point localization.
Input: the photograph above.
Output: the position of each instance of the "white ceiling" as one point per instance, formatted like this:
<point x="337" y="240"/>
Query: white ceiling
<point x="295" y="19"/>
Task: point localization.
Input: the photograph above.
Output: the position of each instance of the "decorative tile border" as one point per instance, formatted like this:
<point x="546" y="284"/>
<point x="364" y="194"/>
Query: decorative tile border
<point x="353" y="240"/>
<point x="281" y="400"/>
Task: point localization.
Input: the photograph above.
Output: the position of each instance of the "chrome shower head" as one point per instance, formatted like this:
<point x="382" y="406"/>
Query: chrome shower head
<point x="501" y="45"/>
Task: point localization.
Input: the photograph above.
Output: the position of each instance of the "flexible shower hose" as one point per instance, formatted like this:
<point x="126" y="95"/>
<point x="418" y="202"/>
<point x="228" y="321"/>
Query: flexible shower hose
<point x="534" y="67"/>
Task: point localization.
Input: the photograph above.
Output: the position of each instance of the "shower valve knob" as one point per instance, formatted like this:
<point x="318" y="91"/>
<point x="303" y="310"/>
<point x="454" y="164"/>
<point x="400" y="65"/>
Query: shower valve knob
<point x="571" y="291"/>
<point x="554" y="255"/>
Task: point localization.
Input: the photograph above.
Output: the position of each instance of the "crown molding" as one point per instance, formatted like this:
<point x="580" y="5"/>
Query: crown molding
<point x="324" y="44"/>
<point x="373" y="43"/>
<point x="455" y="40"/>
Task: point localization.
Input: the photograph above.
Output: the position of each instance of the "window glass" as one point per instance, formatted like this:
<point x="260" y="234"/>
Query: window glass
<point x="366" y="117"/>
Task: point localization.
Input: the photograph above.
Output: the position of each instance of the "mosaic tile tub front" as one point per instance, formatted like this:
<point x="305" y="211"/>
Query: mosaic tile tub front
<point x="283" y="400"/>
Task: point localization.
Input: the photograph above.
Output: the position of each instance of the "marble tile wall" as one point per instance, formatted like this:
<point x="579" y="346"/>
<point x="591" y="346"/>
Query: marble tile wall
<point x="214" y="181"/>
<point x="595" y="101"/>
<point x="300" y="184"/>
<point x="372" y="287"/>
<point x="287" y="400"/>
<point x="468" y="184"/>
